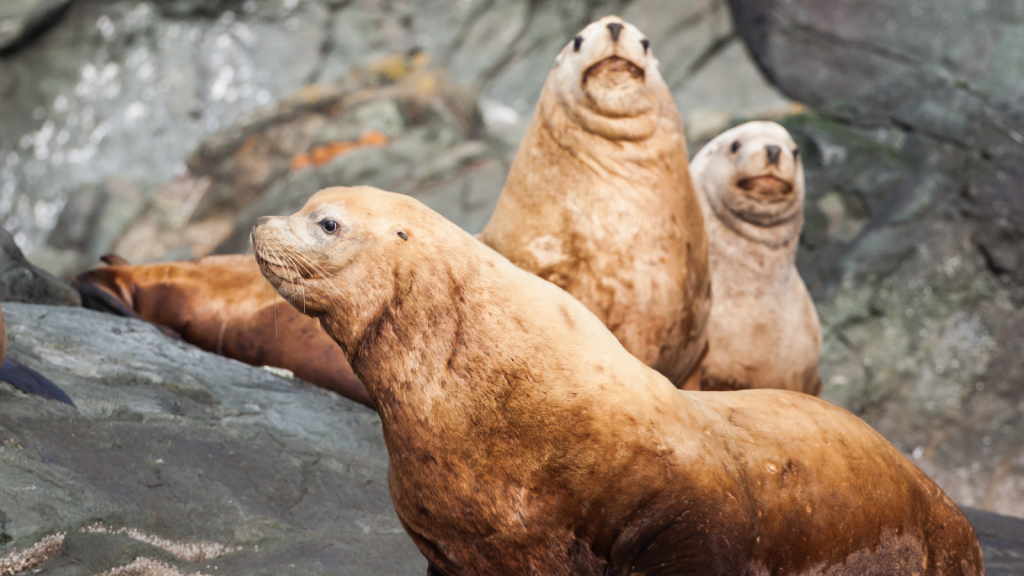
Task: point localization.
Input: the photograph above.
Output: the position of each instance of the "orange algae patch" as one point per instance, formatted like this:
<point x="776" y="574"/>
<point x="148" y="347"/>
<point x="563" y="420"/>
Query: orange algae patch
<point x="323" y="154"/>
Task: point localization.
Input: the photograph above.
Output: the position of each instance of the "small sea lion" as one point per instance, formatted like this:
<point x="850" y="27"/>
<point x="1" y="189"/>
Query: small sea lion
<point x="524" y="439"/>
<point x="222" y="304"/>
<point x="599" y="200"/>
<point x="764" y="330"/>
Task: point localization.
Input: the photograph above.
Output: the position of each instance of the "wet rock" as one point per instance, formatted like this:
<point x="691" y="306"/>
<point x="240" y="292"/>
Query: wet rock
<point x="180" y="457"/>
<point x="133" y="89"/>
<point x="20" y="281"/>
<point x="19" y="19"/>
<point x="129" y="89"/>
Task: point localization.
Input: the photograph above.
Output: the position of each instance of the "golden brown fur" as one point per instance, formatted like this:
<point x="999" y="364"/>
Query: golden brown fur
<point x="764" y="331"/>
<point x="223" y="304"/>
<point x="524" y="439"/>
<point x="599" y="200"/>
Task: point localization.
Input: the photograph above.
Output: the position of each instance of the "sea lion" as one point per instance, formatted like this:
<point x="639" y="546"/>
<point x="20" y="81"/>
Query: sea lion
<point x="764" y="331"/>
<point x="223" y="304"/>
<point x="24" y="378"/>
<point x="599" y="200"/>
<point x="524" y="439"/>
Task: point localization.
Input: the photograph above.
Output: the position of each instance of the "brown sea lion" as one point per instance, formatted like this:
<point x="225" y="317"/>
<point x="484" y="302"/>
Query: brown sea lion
<point x="764" y="331"/>
<point x="524" y="439"/>
<point x="223" y="304"/>
<point x="599" y="200"/>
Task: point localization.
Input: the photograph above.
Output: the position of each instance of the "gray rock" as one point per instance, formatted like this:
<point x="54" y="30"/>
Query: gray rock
<point x="922" y="338"/>
<point x="130" y="89"/>
<point x="202" y="463"/>
<point x="20" y="281"/>
<point x="173" y="443"/>
<point x="1002" y="542"/>
<point x="21" y="18"/>
<point x="913" y="242"/>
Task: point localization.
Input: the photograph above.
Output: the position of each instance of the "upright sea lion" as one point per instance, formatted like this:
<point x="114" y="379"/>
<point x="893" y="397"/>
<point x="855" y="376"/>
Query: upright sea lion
<point x="524" y="439"/>
<point x="599" y="199"/>
<point x="223" y="304"/>
<point x="764" y="330"/>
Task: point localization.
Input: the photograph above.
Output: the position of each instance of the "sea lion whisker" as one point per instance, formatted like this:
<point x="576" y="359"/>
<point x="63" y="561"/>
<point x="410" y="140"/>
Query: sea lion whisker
<point x="271" y="249"/>
<point x="283" y="254"/>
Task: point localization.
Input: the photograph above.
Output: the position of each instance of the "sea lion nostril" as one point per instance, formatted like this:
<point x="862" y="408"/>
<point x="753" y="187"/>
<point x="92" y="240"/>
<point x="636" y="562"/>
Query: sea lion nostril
<point x="260" y="220"/>
<point x="615" y="29"/>
<point x="773" y="154"/>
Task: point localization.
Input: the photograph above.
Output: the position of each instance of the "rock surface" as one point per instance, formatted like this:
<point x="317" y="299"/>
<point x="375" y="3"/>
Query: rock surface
<point x="204" y="464"/>
<point x="20" y="281"/>
<point x="186" y="458"/>
<point x="912" y="247"/>
<point x="100" y="112"/>
<point x="19" y="19"/>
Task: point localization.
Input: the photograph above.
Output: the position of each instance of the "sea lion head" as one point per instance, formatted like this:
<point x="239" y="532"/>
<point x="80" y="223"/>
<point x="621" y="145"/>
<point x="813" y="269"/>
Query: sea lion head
<point x="339" y="238"/>
<point x="753" y="174"/>
<point x="607" y="80"/>
<point x="352" y="254"/>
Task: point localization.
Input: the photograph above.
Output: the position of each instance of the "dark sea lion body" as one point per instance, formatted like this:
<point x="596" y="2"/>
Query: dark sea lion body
<point x="524" y="439"/>
<point x="24" y="378"/>
<point x="222" y="304"/>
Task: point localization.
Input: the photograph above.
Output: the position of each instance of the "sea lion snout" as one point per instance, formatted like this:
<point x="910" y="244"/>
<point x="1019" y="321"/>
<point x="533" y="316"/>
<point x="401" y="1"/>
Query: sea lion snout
<point x="608" y="82"/>
<point x="615" y="28"/>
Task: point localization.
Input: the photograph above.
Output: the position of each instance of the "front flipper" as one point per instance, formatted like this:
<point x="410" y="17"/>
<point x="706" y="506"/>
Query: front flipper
<point x="31" y="382"/>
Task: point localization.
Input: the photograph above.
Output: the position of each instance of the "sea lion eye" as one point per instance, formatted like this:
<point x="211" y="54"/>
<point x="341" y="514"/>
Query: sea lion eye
<point x="329" y="226"/>
<point x="576" y="43"/>
<point x="646" y="44"/>
<point x="796" y="153"/>
<point x="735" y="147"/>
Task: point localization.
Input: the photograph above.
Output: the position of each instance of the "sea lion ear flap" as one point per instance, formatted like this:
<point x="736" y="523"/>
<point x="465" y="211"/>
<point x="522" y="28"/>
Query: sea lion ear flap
<point x="114" y="260"/>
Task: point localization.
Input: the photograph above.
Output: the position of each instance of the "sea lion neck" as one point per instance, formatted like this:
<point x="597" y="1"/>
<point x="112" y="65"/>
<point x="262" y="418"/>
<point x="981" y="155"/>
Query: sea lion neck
<point x="607" y="148"/>
<point x="447" y="323"/>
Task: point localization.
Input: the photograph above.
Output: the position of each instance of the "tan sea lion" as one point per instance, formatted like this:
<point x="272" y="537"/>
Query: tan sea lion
<point x="524" y="439"/>
<point x="223" y="304"/>
<point x="764" y="330"/>
<point x="599" y="200"/>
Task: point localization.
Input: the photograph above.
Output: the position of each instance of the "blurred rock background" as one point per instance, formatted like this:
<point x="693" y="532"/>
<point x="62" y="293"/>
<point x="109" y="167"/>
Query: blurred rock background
<point x="160" y="129"/>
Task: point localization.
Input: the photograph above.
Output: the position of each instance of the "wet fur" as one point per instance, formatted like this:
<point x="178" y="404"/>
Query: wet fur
<point x="524" y="439"/>
<point x="764" y="330"/>
<point x="599" y="201"/>
<point x="223" y="304"/>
